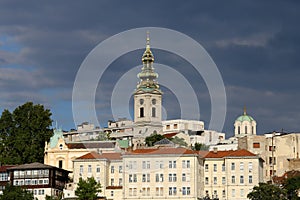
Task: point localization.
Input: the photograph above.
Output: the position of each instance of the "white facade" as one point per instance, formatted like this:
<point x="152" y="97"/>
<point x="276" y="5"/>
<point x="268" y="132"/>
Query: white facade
<point x="182" y="125"/>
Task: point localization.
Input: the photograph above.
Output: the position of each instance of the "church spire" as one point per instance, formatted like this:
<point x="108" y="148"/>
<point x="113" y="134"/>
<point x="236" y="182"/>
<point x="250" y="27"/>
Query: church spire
<point x="245" y="111"/>
<point x="148" y="76"/>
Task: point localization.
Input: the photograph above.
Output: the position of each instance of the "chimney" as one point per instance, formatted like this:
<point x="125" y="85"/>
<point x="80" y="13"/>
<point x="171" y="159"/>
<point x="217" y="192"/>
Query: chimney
<point x="215" y="149"/>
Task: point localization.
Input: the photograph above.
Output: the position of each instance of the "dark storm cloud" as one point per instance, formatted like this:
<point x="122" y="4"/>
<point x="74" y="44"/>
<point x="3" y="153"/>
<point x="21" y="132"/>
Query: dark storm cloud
<point x="255" y="45"/>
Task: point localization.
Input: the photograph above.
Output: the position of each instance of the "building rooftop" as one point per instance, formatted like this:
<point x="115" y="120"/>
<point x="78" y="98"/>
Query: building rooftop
<point x="153" y="151"/>
<point x="94" y="155"/>
<point x="91" y="145"/>
<point x="34" y="165"/>
<point x="230" y="153"/>
<point x="5" y="167"/>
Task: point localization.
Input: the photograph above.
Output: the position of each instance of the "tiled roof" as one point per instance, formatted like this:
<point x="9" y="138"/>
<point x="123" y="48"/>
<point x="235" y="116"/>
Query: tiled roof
<point x="179" y="150"/>
<point x="230" y="153"/>
<point x="169" y="135"/>
<point x="35" y="165"/>
<point x="5" y="167"/>
<point x="94" y="155"/>
<point x="90" y="145"/>
<point x="164" y="141"/>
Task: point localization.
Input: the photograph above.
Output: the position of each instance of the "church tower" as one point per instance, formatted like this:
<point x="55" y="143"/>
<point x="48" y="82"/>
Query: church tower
<point x="244" y="125"/>
<point x="147" y="98"/>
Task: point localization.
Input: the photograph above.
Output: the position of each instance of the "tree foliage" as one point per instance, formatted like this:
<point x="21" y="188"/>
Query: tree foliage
<point x="292" y="185"/>
<point x="13" y="192"/>
<point x="23" y="134"/>
<point x="179" y="141"/>
<point x="88" y="189"/>
<point x="267" y="191"/>
<point x="150" y="140"/>
<point x="200" y="146"/>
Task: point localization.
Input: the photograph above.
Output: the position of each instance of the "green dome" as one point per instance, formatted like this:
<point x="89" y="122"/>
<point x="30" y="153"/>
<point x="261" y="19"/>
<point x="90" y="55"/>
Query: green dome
<point x="243" y="118"/>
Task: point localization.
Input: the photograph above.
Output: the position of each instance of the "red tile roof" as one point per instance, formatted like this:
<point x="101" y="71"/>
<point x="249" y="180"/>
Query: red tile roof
<point x="90" y="145"/>
<point x="94" y="155"/>
<point x="179" y="150"/>
<point x="230" y="153"/>
<point x="5" y="167"/>
<point x="169" y="135"/>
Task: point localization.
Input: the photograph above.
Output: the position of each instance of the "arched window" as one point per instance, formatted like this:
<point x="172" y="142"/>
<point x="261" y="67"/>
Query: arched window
<point x="60" y="164"/>
<point x="153" y="112"/>
<point x="141" y="112"/>
<point x="252" y="130"/>
<point x="246" y="129"/>
<point x="239" y="130"/>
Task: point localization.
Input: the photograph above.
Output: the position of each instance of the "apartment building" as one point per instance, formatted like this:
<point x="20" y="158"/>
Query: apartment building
<point x="162" y="173"/>
<point x="41" y="179"/>
<point x="230" y="175"/>
<point x="106" y="168"/>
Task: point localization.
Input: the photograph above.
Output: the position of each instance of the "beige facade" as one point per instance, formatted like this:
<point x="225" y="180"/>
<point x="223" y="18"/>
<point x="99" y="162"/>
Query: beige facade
<point x="230" y="175"/>
<point x="279" y="151"/>
<point x="163" y="173"/>
<point x="106" y="168"/>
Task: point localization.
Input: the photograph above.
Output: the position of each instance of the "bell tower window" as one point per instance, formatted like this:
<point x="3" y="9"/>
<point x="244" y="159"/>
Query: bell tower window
<point x="245" y="129"/>
<point x="142" y="112"/>
<point x="153" y="112"/>
<point x="239" y="130"/>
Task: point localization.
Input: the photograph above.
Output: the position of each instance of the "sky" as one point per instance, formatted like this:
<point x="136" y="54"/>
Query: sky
<point x="254" y="44"/>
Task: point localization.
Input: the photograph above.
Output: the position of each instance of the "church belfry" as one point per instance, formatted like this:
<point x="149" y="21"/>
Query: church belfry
<point x="147" y="97"/>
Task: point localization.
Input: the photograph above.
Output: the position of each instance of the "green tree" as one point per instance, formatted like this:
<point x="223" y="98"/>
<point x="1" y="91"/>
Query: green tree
<point x="12" y="193"/>
<point x="179" y="141"/>
<point x="88" y="189"/>
<point x="200" y="146"/>
<point x="267" y="191"/>
<point x="292" y="185"/>
<point x="150" y="140"/>
<point x="23" y="134"/>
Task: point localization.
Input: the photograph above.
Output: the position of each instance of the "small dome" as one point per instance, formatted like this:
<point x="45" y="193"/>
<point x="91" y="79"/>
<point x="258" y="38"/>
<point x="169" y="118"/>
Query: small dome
<point x="245" y="117"/>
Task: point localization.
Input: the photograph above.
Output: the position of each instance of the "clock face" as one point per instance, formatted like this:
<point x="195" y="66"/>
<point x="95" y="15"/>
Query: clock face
<point x="141" y="101"/>
<point x="153" y="101"/>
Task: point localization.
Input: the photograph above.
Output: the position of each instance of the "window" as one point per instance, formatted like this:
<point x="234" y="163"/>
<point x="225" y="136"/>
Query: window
<point x="167" y="127"/>
<point x="272" y="149"/>
<point x="223" y="167"/>
<point x="172" y="178"/>
<point x="159" y="191"/>
<point x="81" y="169"/>
<point x="241" y="166"/>
<point x="223" y="194"/>
<point x="206" y="167"/>
<point x="242" y="179"/>
<point x="146" y="178"/>
<point x="159" y="177"/>
<point x="188" y="164"/>
<point x="223" y="180"/>
<point x="146" y="164"/>
<point x="134" y="178"/>
<point x="60" y="164"/>
<point x="61" y="146"/>
<point x="175" y="126"/>
<point x="98" y="169"/>
<point x="233" y="192"/>
<point x="242" y="192"/>
<point x="250" y="166"/>
<point x="239" y="130"/>
<point x="153" y="112"/>
<point x="120" y="169"/>
<point x="250" y="179"/>
<point x="120" y="182"/>
<point x="112" y="182"/>
<point x="112" y="193"/>
<point x="232" y="179"/>
<point x="206" y="180"/>
<point x="232" y="166"/>
<point x="112" y="169"/>
<point x="172" y="191"/>
<point x="172" y="164"/>
<point x="256" y="145"/>
<point x="183" y="177"/>
<point x="215" y="180"/>
<point x="272" y="160"/>
<point x="130" y="178"/>
<point x="142" y="112"/>
<point x="186" y="190"/>
<point x="215" y="167"/>
<point x="3" y="176"/>
<point x="89" y="168"/>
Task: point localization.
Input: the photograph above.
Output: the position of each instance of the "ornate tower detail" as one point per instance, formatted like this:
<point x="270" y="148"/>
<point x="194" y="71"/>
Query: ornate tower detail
<point x="147" y="97"/>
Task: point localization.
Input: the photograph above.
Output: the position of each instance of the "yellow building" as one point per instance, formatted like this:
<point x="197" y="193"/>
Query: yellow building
<point x="60" y="154"/>
<point x="162" y="173"/>
<point x="106" y="168"/>
<point x="230" y="175"/>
